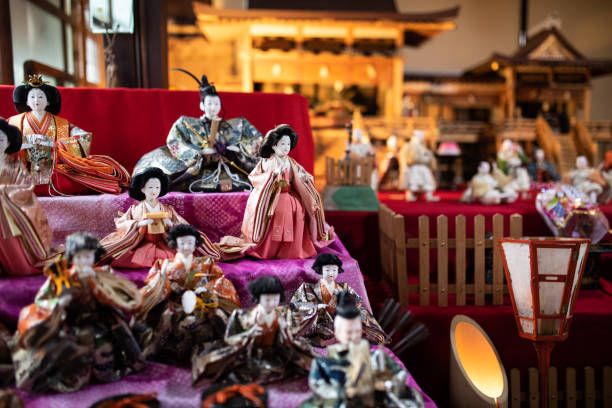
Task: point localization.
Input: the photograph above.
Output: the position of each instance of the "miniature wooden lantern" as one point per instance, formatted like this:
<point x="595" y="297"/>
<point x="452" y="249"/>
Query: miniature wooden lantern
<point x="477" y="376"/>
<point x="543" y="277"/>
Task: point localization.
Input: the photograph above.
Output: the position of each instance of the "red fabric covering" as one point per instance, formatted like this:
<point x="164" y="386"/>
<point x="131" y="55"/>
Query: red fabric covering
<point x="127" y="123"/>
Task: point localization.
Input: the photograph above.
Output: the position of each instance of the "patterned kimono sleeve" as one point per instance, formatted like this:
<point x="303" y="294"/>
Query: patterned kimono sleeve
<point x="235" y="334"/>
<point x="391" y="368"/>
<point x="180" y="145"/>
<point x="303" y="308"/>
<point x="322" y="382"/>
<point x="83" y="137"/>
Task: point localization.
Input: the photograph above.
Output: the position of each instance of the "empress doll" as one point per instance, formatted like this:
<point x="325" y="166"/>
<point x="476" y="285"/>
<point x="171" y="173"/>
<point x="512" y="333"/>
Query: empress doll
<point x="284" y="215"/>
<point x="140" y="237"/>
<point x="261" y="344"/>
<point x="322" y="297"/>
<point x="25" y="235"/>
<point x="76" y="332"/>
<point x="207" y="153"/>
<point x="353" y="376"/>
<point x="186" y="301"/>
<point x="53" y="145"/>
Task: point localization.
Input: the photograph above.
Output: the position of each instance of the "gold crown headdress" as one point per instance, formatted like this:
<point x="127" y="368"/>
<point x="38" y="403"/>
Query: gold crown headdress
<point x="35" y="81"/>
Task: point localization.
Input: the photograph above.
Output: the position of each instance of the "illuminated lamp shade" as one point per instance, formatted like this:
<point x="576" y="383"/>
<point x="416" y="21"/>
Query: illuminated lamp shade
<point x="477" y="376"/>
<point x="494" y="65"/>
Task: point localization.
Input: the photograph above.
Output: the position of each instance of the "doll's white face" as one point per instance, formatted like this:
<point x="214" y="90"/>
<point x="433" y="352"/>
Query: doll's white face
<point x="84" y="258"/>
<point x="282" y="147"/>
<point x="539" y="154"/>
<point x="347" y="331"/>
<point x="151" y="189"/>
<point x="330" y="273"/>
<point x="186" y="244"/>
<point x="4" y="143"/>
<point x="484" y="168"/>
<point x="211" y="106"/>
<point x="581" y="162"/>
<point x="269" y="301"/>
<point x="37" y="100"/>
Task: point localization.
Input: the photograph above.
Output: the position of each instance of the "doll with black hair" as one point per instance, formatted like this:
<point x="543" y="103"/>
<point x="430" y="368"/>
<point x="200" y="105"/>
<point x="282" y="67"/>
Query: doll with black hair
<point x="352" y="375"/>
<point x="207" y="153"/>
<point x="261" y="344"/>
<point x="53" y="145"/>
<point x="284" y="215"/>
<point x="318" y="300"/>
<point x="25" y="235"/>
<point x="186" y="301"/>
<point x="141" y="231"/>
<point x="76" y="332"/>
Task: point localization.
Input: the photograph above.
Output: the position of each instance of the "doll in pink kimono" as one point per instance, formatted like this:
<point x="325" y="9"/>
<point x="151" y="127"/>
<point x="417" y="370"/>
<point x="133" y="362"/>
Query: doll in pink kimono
<point x="284" y="215"/>
<point x="140" y="238"/>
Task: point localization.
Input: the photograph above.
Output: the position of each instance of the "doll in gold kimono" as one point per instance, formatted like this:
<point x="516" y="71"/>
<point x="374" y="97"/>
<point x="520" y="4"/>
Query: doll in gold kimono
<point x="25" y="235"/>
<point x="207" y="153"/>
<point x="284" y="217"/>
<point x="261" y="344"/>
<point x="353" y="376"/>
<point x="76" y="332"/>
<point x="141" y="231"/>
<point x="322" y="297"/>
<point x="186" y="301"/>
<point x="53" y="145"/>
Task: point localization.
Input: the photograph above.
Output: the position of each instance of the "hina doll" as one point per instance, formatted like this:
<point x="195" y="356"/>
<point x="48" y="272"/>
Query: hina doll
<point x="186" y="301"/>
<point x="390" y="166"/>
<point x="353" y="376"/>
<point x="485" y="189"/>
<point x="586" y="179"/>
<point x="141" y="231"/>
<point x="207" y="153"/>
<point x="262" y="344"/>
<point x="512" y="161"/>
<point x="284" y="215"/>
<point x="53" y="145"/>
<point x="76" y="332"/>
<point x="541" y="170"/>
<point x="417" y="166"/>
<point x="25" y="235"/>
<point x="322" y="297"/>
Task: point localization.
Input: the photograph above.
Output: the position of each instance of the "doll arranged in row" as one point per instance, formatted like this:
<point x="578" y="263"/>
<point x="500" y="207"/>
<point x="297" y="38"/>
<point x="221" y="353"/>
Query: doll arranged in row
<point x="78" y="329"/>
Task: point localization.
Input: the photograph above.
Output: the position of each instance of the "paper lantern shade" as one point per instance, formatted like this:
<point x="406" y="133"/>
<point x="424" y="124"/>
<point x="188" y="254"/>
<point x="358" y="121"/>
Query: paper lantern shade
<point x="477" y="376"/>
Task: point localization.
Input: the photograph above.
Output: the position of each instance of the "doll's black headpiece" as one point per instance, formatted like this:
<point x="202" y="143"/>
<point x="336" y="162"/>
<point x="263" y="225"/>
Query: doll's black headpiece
<point x="139" y="180"/>
<point x="81" y="241"/>
<point x="206" y="88"/>
<point x="326" y="259"/>
<point x="182" y="230"/>
<point x="346" y="307"/>
<point x="13" y="135"/>
<point x="20" y="95"/>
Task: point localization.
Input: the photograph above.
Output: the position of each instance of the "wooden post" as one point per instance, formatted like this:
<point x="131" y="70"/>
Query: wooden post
<point x="553" y="393"/>
<point x="424" y="260"/>
<point x="606" y="394"/>
<point x="515" y="388"/>
<point x="460" y="259"/>
<point x="516" y="225"/>
<point x="479" y="260"/>
<point x="442" y="235"/>
<point x="6" y="45"/>
<point x="570" y="387"/>
<point x="589" y="387"/>
<point x="534" y="397"/>
<point x="586" y="105"/>
<point x="498" y="272"/>
<point x="399" y="230"/>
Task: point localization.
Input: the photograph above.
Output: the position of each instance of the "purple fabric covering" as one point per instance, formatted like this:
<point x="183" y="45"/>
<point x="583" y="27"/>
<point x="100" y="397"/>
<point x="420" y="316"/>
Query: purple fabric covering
<point x="214" y="214"/>
<point x="173" y="388"/>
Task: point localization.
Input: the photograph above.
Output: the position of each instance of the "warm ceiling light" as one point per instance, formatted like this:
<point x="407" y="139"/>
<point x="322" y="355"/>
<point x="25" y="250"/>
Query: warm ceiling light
<point x="477" y="376"/>
<point x="288" y="89"/>
<point x="371" y="71"/>
<point x="324" y="71"/>
<point x="495" y="65"/>
<point x="276" y="70"/>
<point x="338" y="85"/>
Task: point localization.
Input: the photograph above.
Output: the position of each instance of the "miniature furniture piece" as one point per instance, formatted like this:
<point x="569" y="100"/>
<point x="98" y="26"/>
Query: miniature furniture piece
<point x="347" y="186"/>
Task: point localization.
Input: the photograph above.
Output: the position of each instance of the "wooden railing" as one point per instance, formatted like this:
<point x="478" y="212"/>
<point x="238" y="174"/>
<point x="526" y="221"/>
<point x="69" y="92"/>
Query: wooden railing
<point x="394" y="247"/>
<point x="584" y="142"/>
<point x="352" y="172"/>
<point x="402" y="127"/>
<point x="521" y="130"/>
<point x="564" y="393"/>
<point x="547" y="141"/>
<point x="461" y="132"/>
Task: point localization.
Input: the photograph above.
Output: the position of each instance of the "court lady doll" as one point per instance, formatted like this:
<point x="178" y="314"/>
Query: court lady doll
<point x="140" y="237"/>
<point x="284" y="215"/>
<point x="207" y="153"/>
<point x="25" y="235"/>
<point x="261" y="344"/>
<point x="186" y="301"/>
<point x="322" y="297"/>
<point x="75" y="332"/>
